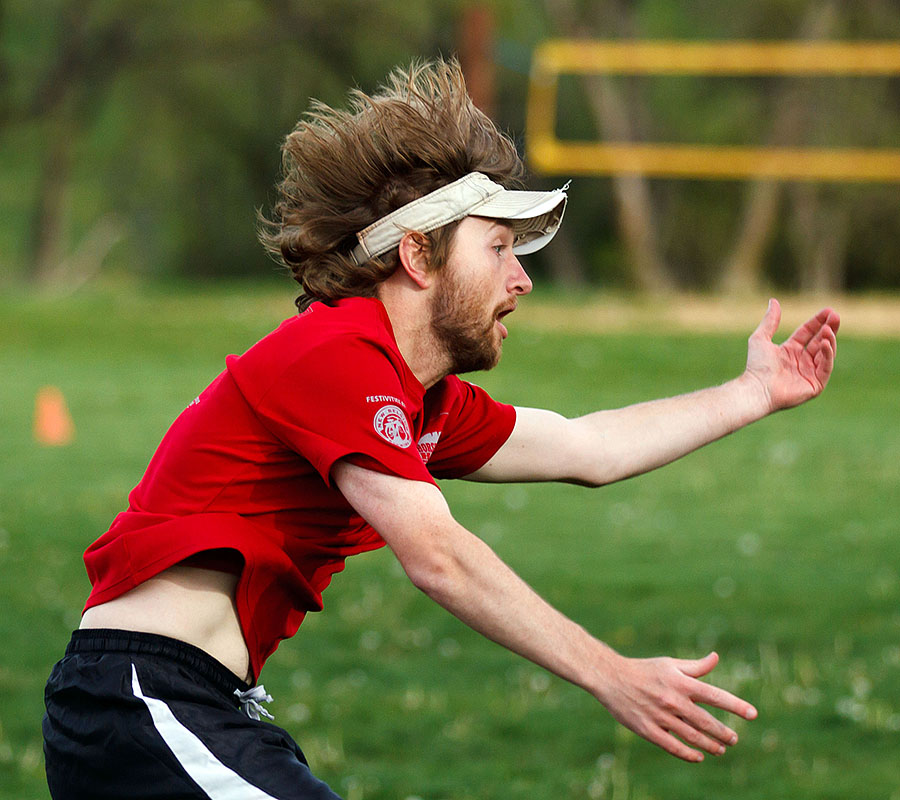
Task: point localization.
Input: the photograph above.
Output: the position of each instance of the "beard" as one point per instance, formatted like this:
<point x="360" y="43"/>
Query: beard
<point x="462" y="327"/>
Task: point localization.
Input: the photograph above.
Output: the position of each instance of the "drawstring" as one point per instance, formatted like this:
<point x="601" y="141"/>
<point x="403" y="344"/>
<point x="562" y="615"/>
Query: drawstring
<point x="251" y="699"/>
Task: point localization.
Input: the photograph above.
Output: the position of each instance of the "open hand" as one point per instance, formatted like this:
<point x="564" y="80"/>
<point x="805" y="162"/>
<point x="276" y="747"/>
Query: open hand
<point x="658" y="699"/>
<point x="798" y="369"/>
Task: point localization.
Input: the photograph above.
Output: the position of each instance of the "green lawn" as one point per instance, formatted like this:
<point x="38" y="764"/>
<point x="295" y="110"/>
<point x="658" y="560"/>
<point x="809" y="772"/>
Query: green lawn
<point x="778" y="547"/>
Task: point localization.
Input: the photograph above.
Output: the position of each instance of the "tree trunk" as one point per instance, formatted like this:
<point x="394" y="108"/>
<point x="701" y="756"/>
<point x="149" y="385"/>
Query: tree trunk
<point x="819" y="235"/>
<point x="742" y="271"/>
<point x="636" y="215"/>
<point x="476" y="55"/>
<point x="568" y="269"/>
<point x="48" y="221"/>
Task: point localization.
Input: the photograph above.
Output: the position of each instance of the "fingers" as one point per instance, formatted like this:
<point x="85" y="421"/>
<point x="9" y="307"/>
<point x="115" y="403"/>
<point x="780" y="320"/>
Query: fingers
<point x="692" y="735"/>
<point x="827" y="319"/>
<point x="710" y="695"/>
<point x="770" y="320"/>
<point x="828" y="334"/>
<point x="694" y="727"/>
<point x="696" y="731"/>
<point x="823" y="361"/>
<point x="675" y="747"/>
<point x="825" y="323"/>
<point x="820" y="344"/>
<point x="699" y="667"/>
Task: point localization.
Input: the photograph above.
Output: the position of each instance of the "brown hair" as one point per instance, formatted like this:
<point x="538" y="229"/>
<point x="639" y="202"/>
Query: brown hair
<point x="342" y="170"/>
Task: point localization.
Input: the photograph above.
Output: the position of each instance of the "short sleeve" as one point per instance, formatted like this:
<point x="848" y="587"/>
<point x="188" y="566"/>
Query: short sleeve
<point x="343" y="397"/>
<point x="475" y="428"/>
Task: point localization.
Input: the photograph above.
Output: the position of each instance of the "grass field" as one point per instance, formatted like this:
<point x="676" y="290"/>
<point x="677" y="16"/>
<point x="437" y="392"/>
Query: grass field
<point x="778" y="547"/>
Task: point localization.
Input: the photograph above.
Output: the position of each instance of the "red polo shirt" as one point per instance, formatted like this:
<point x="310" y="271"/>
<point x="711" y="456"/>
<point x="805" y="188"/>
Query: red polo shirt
<point x="246" y="466"/>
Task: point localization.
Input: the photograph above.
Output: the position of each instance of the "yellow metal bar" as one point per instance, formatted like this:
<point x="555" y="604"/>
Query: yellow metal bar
<point x="540" y="113"/>
<point x="680" y="161"/>
<point x="549" y="154"/>
<point x="721" y="58"/>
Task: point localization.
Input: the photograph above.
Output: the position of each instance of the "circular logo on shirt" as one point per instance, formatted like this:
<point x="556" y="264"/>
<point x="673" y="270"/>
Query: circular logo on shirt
<point x="391" y="425"/>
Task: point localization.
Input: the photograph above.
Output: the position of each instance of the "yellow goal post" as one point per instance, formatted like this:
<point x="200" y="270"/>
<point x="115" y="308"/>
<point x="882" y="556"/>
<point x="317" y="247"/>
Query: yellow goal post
<point x="549" y="154"/>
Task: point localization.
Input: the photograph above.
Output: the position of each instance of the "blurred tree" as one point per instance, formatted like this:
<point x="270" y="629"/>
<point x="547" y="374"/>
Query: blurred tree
<point x="476" y="54"/>
<point x="64" y="100"/>
<point x="170" y="116"/>
<point x="146" y="133"/>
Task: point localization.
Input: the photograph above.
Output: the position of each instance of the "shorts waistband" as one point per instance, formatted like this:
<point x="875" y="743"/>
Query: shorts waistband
<point x="107" y="640"/>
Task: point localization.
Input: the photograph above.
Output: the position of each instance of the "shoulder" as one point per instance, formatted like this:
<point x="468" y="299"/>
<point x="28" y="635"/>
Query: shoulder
<point x="323" y="331"/>
<point x="454" y="391"/>
<point x="342" y="344"/>
<point x="353" y="318"/>
<point x="467" y="407"/>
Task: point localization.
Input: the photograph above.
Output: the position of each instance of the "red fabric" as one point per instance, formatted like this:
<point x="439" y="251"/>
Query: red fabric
<point x="246" y="466"/>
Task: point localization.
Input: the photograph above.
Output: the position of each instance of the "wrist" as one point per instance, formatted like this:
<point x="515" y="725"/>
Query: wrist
<point x="604" y="665"/>
<point x="755" y="395"/>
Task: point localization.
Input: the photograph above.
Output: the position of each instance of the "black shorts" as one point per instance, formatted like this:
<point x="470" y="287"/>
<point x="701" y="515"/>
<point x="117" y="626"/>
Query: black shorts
<point x="135" y="715"/>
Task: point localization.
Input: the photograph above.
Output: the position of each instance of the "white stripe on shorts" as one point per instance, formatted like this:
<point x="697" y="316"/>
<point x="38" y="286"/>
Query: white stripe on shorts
<point x="211" y="775"/>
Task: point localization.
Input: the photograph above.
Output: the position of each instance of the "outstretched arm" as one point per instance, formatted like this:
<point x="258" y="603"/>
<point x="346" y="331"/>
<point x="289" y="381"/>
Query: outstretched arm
<point x="658" y="698"/>
<point x="607" y="446"/>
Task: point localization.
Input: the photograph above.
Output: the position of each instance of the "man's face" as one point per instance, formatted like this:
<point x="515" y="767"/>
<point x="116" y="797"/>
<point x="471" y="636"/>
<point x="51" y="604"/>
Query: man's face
<point x="476" y="288"/>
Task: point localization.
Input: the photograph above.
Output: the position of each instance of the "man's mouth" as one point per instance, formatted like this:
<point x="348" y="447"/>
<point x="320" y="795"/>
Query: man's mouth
<point x="500" y="315"/>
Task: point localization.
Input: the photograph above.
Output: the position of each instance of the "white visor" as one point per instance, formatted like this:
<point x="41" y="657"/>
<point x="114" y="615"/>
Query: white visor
<point x="535" y="216"/>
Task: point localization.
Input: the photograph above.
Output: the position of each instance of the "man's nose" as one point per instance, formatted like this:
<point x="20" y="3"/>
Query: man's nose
<point x="519" y="280"/>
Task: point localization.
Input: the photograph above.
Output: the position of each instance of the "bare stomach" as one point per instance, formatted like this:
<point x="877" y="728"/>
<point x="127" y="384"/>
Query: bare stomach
<point x="191" y="604"/>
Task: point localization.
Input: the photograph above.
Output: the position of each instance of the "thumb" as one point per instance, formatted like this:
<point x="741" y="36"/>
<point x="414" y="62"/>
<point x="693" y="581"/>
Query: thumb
<point x="770" y="321"/>
<point x="699" y="667"/>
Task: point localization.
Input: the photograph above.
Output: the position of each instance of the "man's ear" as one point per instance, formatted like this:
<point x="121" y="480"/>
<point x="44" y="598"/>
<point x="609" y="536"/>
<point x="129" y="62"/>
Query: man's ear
<point x="414" y="249"/>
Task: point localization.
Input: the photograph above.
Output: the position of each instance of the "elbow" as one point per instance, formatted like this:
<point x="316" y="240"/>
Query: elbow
<point x="592" y="467"/>
<point x="436" y="575"/>
<point x="590" y="479"/>
<point x="601" y="468"/>
<point x="588" y="483"/>
<point x="442" y="562"/>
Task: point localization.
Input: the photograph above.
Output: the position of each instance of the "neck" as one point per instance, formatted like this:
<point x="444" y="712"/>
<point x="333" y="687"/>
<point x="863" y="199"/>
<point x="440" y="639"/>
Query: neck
<point x="410" y="315"/>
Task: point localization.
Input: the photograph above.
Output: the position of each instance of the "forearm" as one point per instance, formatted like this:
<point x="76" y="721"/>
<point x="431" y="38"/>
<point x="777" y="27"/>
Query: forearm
<point x="476" y="586"/>
<point x="610" y="445"/>
<point x="461" y="573"/>
<point x="620" y="443"/>
<point x="658" y="698"/>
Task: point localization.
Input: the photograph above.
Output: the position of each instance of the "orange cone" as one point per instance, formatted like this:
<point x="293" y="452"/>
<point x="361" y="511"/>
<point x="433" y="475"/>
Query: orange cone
<point x="53" y="424"/>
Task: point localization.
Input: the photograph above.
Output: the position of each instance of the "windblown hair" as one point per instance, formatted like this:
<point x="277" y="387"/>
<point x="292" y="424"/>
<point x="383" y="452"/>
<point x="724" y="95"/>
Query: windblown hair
<point x="343" y="170"/>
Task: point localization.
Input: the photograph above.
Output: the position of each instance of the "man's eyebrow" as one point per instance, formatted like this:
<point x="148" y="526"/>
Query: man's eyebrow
<point x="496" y="223"/>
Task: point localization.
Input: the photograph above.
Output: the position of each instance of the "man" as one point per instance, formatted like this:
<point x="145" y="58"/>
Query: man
<point x="323" y="440"/>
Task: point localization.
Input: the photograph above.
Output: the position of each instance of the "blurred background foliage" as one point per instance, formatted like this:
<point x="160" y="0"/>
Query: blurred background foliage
<point x="140" y="136"/>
